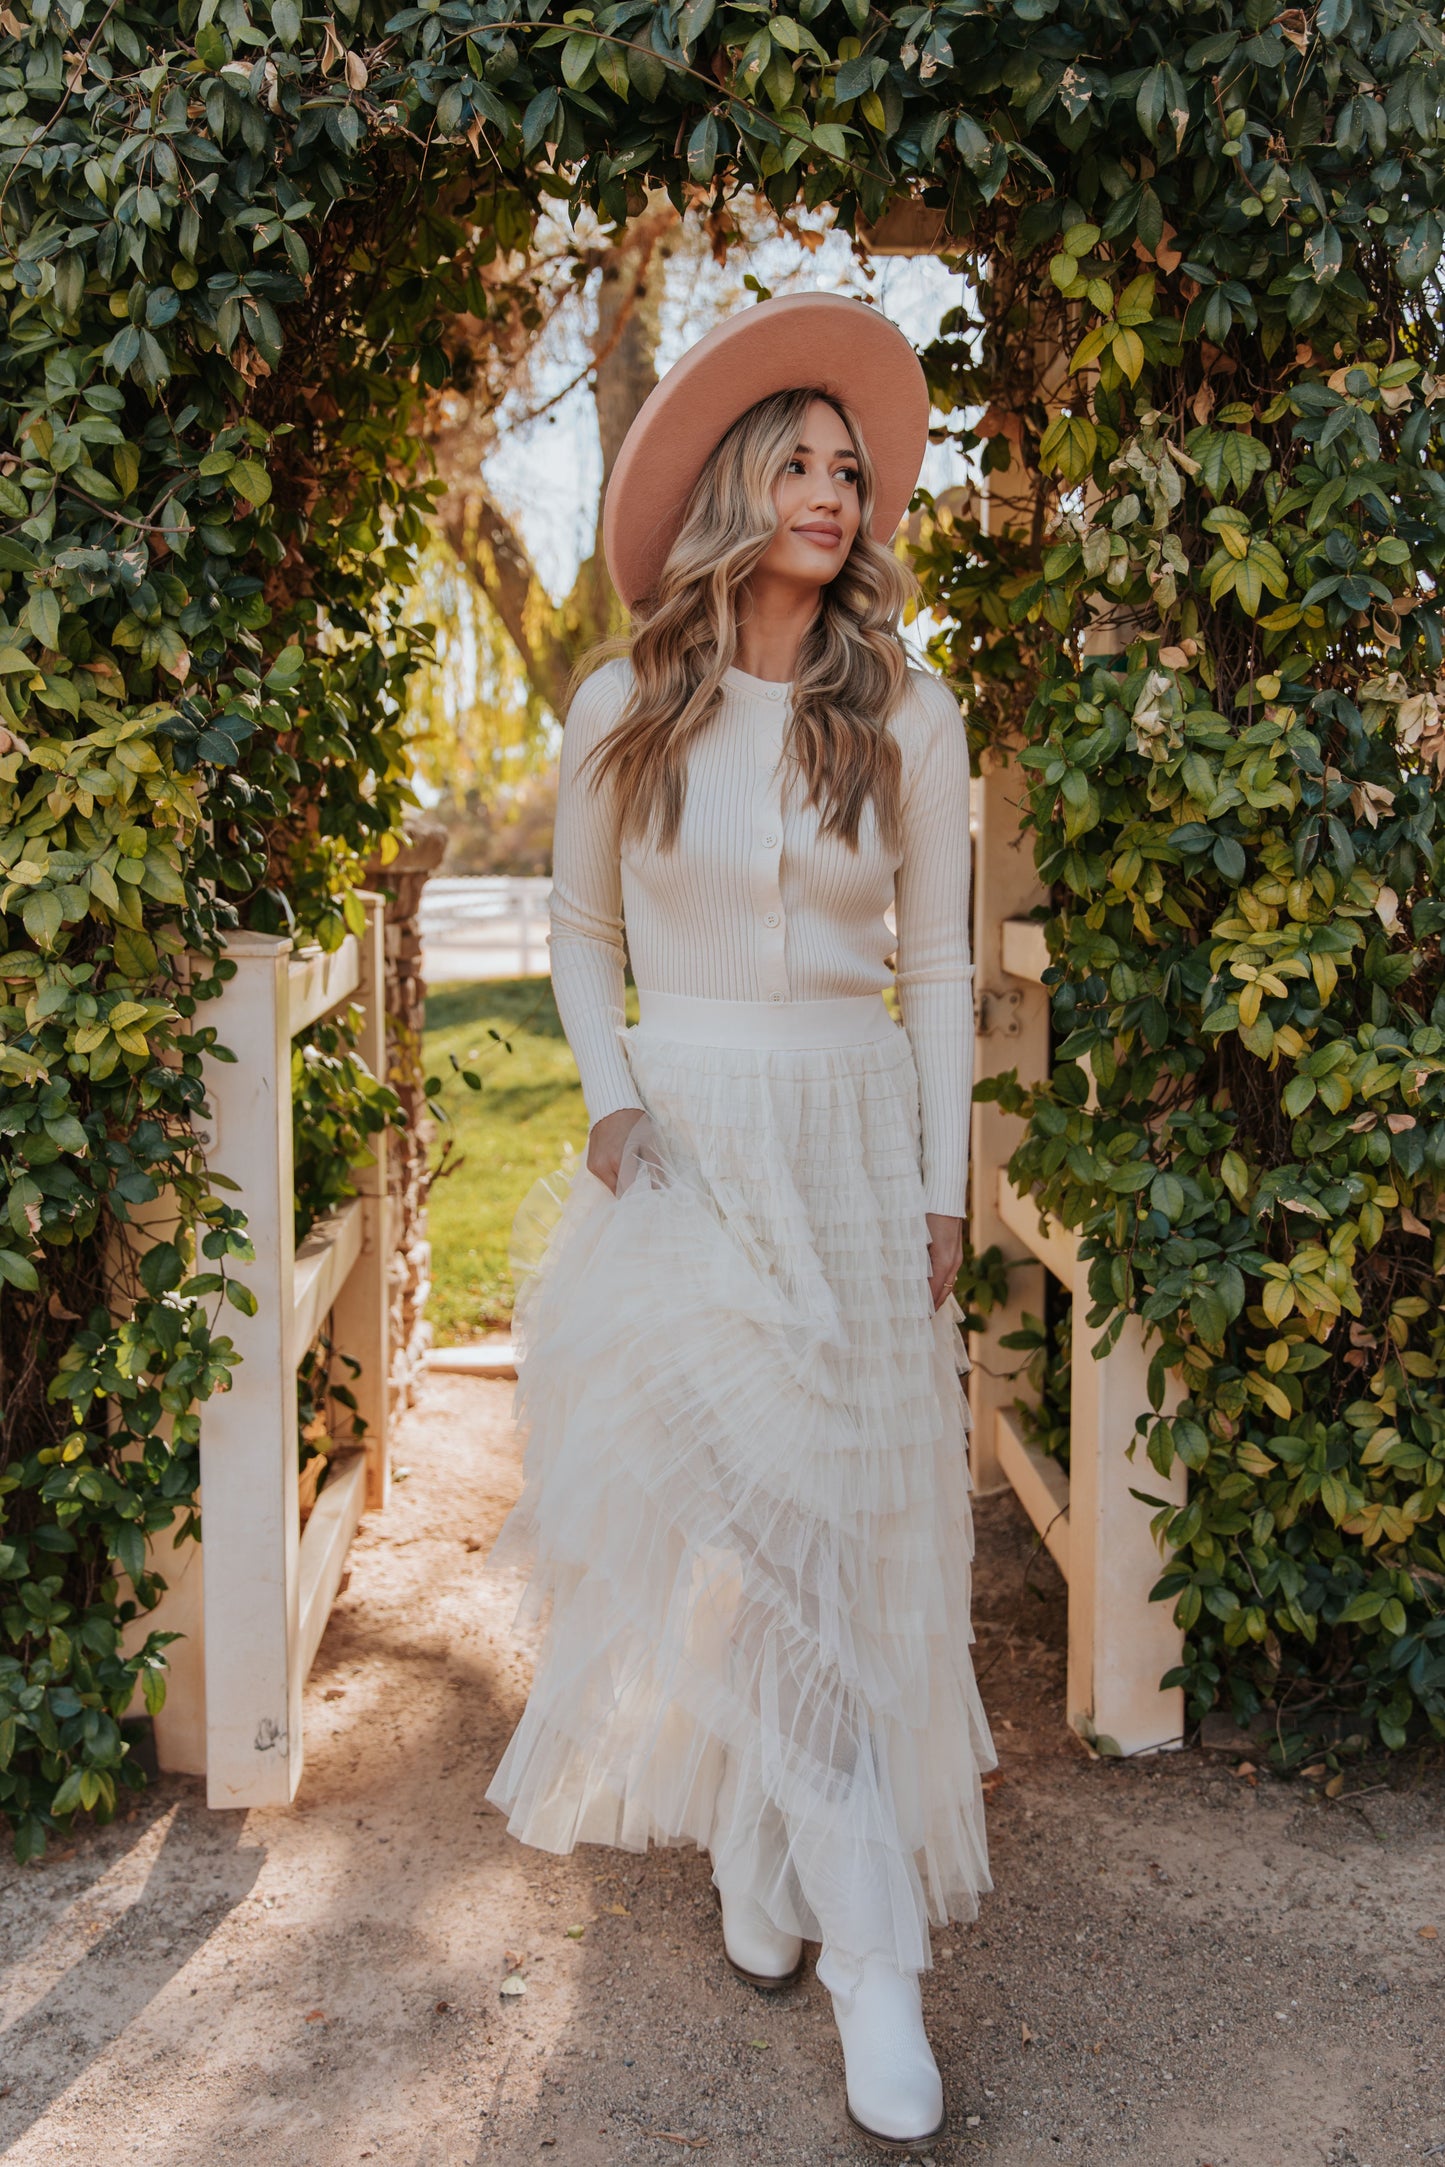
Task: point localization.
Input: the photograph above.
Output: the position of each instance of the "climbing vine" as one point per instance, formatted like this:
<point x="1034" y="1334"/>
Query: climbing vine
<point x="1236" y="794"/>
<point x="233" y="239"/>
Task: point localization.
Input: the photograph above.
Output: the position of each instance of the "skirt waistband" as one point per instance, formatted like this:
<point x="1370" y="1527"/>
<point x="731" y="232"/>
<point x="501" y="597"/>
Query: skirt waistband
<point x="850" y="1019"/>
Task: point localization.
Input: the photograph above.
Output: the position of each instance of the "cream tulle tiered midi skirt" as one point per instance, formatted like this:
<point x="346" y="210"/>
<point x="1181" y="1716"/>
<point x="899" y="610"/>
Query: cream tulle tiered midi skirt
<point x="745" y="1511"/>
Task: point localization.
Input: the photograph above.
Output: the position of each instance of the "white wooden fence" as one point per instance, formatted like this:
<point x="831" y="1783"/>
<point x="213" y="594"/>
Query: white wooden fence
<point x="481" y="925"/>
<point x="1097" y="1532"/>
<point x="254" y="1602"/>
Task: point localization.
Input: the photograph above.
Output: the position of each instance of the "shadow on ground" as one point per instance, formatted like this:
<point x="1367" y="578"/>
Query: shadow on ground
<point x="1179" y="1967"/>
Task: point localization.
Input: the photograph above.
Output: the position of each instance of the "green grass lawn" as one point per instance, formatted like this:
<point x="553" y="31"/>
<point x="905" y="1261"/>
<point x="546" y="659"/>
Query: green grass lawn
<point x="508" y="1133"/>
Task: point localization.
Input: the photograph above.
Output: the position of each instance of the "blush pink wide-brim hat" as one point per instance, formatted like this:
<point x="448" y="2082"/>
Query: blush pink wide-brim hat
<point x="820" y="341"/>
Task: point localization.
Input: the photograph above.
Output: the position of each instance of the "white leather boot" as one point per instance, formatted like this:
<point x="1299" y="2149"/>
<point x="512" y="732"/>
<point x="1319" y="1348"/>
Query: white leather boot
<point x="754" y="1947"/>
<point x="895" y="2094"/>
<point x="757" y="1950"/>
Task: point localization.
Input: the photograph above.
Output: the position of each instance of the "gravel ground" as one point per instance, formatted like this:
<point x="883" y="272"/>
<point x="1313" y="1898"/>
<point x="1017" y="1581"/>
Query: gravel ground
<point x="1181" y="1966"/>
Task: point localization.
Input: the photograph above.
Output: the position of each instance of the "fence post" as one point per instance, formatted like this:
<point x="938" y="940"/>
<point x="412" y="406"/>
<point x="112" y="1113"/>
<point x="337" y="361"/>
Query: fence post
<point x="522" y="901"/>
<point x="1013" y="1032"/>
<point x="1120" y="1644"/>
<point x="361" y="1318"/>
<point x="249" y="1445"/>
<point x="1013" y="1029"/>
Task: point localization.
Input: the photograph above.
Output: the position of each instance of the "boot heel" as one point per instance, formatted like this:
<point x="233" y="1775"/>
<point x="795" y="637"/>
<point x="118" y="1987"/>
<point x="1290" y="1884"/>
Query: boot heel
<point x="765" y="1982"/>
<point x="897" y="2144"/>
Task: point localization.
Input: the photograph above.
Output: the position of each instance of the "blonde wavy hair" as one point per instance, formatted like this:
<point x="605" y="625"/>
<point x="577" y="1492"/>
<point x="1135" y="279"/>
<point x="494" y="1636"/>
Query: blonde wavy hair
<point x="851" y="669"/>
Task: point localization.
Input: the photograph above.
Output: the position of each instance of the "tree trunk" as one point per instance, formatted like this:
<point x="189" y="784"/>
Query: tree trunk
<point x="550" y="638"/>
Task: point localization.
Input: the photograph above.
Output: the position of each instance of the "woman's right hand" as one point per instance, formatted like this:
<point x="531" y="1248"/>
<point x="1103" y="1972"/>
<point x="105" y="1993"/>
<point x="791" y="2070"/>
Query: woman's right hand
<point x="606" y="1141"/>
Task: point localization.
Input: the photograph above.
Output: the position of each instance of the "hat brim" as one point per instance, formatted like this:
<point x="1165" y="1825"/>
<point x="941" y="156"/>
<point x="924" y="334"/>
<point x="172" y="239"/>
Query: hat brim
<point x="826" y="341"/>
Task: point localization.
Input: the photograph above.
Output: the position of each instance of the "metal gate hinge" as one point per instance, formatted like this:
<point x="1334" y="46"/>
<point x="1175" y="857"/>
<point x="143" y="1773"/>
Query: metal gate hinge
<point x="998" y="1013"/>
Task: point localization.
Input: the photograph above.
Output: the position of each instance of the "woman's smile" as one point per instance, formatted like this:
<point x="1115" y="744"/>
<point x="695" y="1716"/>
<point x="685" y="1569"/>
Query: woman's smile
<point x="818" y="509"/>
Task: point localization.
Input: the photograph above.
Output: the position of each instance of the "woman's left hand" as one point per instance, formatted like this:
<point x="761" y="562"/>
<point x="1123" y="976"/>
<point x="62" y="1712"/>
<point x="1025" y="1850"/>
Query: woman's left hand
<point x="945" y="1254"/>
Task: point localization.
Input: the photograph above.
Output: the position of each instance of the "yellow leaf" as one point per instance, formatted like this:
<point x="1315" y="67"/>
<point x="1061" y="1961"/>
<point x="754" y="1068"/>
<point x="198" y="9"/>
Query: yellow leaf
<point x="1325" y="972"/>
<point x="1278" y="1300"/>
<point x="1128" y="350"/>
<point x="1136" y="302"/>
<point x="1335" y="1498"/>
<point x="1088" y="349"/>
<point x="1274" y="1399"/>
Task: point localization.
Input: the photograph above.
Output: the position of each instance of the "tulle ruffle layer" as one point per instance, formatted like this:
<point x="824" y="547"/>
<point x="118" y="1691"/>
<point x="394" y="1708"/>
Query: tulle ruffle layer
<point x="745" y="1510"/>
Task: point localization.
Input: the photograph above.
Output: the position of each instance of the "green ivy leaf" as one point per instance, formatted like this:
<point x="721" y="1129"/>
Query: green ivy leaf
<point x="250" y="480"/>
<point x="161" y="1268"/>
<point x="702" y="149"/>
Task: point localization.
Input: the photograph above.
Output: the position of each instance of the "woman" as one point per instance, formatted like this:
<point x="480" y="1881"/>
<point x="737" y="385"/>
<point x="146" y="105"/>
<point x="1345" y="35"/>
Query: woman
<point x="746" y="1483"/>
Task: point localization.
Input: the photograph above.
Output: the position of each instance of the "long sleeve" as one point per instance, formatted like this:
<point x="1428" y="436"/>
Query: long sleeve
<point x="587" y="949"/>
<point x="934" y="973"/>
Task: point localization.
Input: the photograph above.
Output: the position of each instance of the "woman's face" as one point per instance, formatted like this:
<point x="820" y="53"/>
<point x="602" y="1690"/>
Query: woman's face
<point x="817" y="501"/>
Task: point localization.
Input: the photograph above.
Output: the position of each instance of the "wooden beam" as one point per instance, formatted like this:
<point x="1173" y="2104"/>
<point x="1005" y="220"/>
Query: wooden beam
<point x="1043" y="1237"/>
<point x="361" y="1321"/>
<point x="1041" y="1487"/>
<point x="323" y="1263"/>
<point x="1013" y="1033"/>
<point x="1024" y="949"/>
<point x="317" y="982"/>
<point x="324" y="1543"/>
<point x="249" y="1447"/>
<point x="1120" y="1644"/>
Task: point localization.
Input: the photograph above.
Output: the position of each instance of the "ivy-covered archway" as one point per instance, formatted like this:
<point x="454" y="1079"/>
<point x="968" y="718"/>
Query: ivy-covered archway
<point x="232" y="238"/>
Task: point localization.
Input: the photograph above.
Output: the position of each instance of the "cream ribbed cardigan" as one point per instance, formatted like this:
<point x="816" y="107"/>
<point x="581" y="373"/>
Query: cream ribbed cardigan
<point x="754" y="904"/>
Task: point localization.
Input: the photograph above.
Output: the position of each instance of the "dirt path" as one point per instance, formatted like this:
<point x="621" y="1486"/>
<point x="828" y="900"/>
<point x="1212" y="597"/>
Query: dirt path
<point x="1178" y="1967"/>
